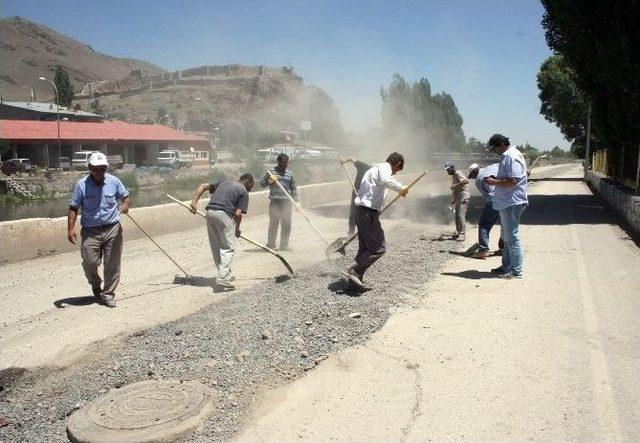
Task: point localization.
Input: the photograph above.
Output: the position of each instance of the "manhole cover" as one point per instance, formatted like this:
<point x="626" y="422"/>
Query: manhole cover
<point x="149" y="411"/>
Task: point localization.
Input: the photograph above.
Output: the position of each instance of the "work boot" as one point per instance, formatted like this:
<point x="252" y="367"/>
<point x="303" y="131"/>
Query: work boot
<point x="351" y="275"/>
<point x="509" y="275"/>
<point x="480" y="254"/>
<point x="498" y="270"/>
<point x="224" y="283"/>
<point x="108" y="300"/>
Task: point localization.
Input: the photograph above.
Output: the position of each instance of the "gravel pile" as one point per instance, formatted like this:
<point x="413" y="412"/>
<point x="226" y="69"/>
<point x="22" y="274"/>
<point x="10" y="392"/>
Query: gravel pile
<point x="254" y="340"/>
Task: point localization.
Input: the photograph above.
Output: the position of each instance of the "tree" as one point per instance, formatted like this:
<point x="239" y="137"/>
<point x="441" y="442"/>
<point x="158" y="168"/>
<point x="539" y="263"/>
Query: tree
<point x="474" y="145"/>
<point x="65" y="88"/>
<point x="96" y="107"/>
<point x="600" y="42"/>
<point x="561" y="100"/>
<point x="414" y="117"/>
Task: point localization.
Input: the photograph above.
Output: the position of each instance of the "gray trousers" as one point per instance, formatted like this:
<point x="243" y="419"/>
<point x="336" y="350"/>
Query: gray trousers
<point x="99" y="243"/>
<point x="372" y="244"/>
<point x="461" y="214"/>
<point x="221" y="228"/>
<point x="280" y="211"/>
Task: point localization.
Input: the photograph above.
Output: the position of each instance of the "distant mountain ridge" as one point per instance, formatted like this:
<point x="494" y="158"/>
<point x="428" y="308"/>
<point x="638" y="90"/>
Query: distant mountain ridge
<point x="250" y="104"/>
<point x="29" y="50"/>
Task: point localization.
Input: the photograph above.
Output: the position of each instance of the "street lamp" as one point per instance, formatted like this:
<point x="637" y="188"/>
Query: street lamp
<point x="57" y="115"/>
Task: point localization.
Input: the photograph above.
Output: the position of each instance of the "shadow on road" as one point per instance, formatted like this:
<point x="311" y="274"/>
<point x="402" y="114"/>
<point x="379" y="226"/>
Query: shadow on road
<point x="341" y="287"/>
<point x="555" y="179"/>
<point x="85" y="300"/>
<point x="559" y="209"/>
<point x="472" y="274"/>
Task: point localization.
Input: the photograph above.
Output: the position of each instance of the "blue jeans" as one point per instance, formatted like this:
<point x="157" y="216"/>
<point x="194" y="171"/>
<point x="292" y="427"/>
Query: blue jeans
<point x="510" y="225"/>
<point x="488" y="218"/>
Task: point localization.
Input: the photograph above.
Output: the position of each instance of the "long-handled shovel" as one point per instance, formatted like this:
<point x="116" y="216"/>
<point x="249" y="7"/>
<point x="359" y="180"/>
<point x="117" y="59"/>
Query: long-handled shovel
<point x="244" y="237"/>
<point x="187" y="276"/>
<point x="347" y="173"/>
<point x="340" y="245"/>
<point x="315" y="228"/>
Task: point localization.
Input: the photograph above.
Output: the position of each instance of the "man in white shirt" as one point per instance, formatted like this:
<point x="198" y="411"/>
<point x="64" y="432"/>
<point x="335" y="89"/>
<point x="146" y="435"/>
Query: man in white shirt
<point x="369" y="202"/>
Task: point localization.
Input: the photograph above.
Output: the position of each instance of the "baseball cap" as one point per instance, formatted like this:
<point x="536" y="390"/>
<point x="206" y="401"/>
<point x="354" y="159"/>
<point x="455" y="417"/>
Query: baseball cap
<point x="473" y="166"/>
<point x="449" y="165"/>
<point x="496" y="140"/>
<point x="98" y="159"/>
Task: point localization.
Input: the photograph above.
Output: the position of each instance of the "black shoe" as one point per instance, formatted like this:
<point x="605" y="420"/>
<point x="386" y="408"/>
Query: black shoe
<point x="498" y="270"/>
<point x="355" y="279"/>
<point x="96" y="293"/>
<point x="108" y="300"/>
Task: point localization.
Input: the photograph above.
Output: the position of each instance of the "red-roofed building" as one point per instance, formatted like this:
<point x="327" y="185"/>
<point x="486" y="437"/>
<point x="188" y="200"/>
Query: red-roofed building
<point x="137" y="143"/>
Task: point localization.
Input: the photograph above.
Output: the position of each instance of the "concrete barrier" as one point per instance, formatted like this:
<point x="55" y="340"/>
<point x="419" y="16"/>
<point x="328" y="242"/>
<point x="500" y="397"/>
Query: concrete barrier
<point x="35" y="237"/>
<point x="620" y="198"/>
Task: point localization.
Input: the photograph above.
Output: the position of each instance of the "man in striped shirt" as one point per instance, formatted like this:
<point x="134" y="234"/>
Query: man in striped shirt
<point x="280" y="208"/>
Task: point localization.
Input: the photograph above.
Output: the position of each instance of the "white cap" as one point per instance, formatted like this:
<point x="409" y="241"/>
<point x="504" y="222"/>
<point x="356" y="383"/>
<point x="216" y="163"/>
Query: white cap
<point x="98" y="159"/>
<point x="473" y="166"/>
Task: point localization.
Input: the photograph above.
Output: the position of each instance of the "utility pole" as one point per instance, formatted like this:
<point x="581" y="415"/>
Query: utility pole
<point x="57" y="116"/>
<point x="638" y="173"/>
<point x="587" y="145"/>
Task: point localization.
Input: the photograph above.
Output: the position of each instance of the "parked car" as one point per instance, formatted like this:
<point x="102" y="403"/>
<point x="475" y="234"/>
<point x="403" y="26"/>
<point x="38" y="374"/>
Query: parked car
<point x="172" y="158"/>
<point x="64" y="163"/>
<point x="16" y="166"/>
<point x="80" y="159"/>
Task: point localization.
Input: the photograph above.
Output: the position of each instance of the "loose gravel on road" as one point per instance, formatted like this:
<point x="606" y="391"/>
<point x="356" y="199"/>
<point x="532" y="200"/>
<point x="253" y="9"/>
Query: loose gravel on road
<point x="252" y="341"/>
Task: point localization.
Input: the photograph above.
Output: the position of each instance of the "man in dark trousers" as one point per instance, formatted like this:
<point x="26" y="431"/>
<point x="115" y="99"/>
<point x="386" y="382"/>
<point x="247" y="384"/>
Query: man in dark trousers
<point x="459" y="199"/>
<point x="369" y="202"/>
<point x="280" y="207"/>
<point x="489" y="216"/>
<point x="97" y="196"/>
<point x="361" y="168"/>
<point x="229" y="200"/>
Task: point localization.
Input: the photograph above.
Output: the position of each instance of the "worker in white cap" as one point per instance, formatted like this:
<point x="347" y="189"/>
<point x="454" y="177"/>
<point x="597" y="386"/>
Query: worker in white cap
<point x="459" y="199"/>
<point x="489" y="216"/>
<point x="96" y="196"/>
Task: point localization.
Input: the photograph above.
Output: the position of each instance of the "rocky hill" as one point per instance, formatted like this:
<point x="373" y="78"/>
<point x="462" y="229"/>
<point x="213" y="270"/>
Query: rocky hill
<point x="29" y="50"/>
<point x="251" y="105"/>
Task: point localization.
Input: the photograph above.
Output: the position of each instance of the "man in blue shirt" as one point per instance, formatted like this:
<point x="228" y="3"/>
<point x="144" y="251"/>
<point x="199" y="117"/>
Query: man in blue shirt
<point x="510" y="199"/>
<point x="280" y="208"/>
<point x="96" y="196"/>
<point x="489" y="216"/>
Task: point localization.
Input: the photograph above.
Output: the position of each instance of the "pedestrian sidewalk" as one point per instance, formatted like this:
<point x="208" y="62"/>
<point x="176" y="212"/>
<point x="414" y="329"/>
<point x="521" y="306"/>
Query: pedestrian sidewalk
<point x="551" y="357"/>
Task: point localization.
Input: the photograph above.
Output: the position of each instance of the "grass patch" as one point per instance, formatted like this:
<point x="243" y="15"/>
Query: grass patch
<point x="129" y="180"/>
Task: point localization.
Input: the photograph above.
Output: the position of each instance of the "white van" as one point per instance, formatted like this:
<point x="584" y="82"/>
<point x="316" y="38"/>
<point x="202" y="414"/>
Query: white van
<point x="172" y="158"/>
<point x="80" y="159"/>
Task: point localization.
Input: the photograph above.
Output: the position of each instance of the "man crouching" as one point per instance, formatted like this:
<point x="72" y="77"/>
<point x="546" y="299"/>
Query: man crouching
<point x="229" y="200"/>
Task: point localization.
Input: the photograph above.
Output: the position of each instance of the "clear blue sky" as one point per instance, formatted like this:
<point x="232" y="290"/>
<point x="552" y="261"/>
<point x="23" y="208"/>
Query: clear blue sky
<point x="484" y="53"/>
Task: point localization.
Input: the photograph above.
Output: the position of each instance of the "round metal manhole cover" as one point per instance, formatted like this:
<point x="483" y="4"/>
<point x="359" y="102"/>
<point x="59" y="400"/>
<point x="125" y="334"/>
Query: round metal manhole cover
<point x="144" y="412"/>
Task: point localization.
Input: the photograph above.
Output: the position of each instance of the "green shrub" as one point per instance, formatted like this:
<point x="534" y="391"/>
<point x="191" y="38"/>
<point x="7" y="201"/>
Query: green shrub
<point x="129" y="180"/>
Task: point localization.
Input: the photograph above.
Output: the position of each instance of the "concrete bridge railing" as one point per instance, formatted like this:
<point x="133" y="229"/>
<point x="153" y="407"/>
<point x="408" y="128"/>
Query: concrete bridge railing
<point x="35" y="237"/>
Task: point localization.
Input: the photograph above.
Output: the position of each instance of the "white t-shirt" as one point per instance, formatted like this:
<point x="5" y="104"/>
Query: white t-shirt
<point x="375" y="183"/>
